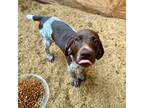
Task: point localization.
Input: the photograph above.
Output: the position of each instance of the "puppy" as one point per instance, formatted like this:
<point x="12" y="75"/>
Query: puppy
<point x="81" y="48"/>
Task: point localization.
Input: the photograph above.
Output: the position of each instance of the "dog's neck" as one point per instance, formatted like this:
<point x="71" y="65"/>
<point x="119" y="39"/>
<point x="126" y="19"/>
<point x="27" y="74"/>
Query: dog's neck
<point x="70" y="57"/>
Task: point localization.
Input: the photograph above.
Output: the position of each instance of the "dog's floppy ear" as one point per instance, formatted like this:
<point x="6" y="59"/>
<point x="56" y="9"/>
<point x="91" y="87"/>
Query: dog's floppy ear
<point x="100" y="51"/>
<point x="68" y="50"/>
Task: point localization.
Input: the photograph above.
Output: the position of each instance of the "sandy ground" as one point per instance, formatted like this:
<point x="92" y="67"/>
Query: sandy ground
<point x="105" y="84"/>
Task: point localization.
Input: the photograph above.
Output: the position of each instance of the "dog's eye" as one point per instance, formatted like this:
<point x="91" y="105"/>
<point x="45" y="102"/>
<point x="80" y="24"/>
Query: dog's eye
<point x="94" y="40"/>
<point x="78" y="39"/>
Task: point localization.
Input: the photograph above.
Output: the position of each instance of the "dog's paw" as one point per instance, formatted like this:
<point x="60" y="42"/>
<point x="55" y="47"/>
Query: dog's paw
<point x="50" y="57"/>
<point x="75" y="83"/>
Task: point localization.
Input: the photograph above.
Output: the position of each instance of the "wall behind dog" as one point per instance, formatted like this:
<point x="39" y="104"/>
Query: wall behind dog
<point x="109" y="8"/>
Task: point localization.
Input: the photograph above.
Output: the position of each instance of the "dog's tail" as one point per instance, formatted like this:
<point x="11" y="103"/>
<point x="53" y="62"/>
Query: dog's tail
<point x="34" y="18"/>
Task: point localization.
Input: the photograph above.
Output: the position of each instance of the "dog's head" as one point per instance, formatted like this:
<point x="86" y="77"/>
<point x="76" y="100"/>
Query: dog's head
<point x="85" y="47"/>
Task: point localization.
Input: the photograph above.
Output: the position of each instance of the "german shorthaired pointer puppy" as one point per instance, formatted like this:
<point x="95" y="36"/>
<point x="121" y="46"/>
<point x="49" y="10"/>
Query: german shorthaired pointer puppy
<point x="80" y="48"/>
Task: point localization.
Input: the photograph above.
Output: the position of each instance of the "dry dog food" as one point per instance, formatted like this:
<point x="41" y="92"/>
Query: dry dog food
<point x="30" y="93"/>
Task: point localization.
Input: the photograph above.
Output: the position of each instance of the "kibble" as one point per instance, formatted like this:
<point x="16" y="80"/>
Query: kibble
<point x="30" y="93"/>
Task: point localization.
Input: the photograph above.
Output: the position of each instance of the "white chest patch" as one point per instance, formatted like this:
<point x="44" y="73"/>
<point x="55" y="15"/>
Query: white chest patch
<point x="73" y="66"/>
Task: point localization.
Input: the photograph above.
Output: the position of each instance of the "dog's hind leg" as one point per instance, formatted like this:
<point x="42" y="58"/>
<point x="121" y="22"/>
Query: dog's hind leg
<point x="50" y="56"/>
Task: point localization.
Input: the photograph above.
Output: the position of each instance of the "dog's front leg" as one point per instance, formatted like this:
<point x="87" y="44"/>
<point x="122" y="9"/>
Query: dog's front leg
<point x="81" y="75"/>
<point x="71" y="73"/>
<point x="50" y="56"/>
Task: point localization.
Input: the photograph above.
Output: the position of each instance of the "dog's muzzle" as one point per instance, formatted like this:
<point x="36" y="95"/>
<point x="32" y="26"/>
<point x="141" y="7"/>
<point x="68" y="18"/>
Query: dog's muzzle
<point x="85" y="58"/>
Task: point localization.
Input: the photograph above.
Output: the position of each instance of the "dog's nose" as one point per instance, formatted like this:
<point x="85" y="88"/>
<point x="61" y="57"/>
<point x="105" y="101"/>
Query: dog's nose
<point x="85" y="54"/>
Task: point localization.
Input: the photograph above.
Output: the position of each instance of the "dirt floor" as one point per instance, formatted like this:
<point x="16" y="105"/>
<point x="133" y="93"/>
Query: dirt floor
<point x="105" y="84"/>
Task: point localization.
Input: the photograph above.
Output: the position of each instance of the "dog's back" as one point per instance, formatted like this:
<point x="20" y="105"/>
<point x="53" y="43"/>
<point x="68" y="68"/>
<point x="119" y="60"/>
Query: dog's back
<point x="61" y="33"/>
<point x="53" y="29"/>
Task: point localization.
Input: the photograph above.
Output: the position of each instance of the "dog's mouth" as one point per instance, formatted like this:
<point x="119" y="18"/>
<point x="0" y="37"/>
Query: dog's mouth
<point x="85" y="62"/>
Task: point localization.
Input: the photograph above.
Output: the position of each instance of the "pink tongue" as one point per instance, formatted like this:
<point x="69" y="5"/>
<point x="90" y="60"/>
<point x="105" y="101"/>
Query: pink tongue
<point x="85" y="61"/>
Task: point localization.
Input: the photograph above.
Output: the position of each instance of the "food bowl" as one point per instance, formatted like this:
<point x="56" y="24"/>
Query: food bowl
<point x="33" y="77"/>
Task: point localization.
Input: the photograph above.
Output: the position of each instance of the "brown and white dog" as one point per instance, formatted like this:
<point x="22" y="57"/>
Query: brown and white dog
<point x="80" y="48"/>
